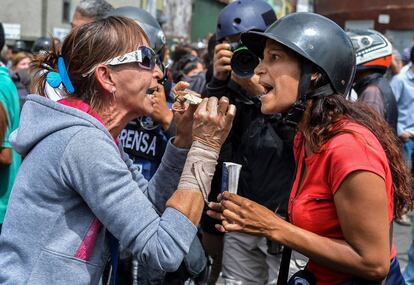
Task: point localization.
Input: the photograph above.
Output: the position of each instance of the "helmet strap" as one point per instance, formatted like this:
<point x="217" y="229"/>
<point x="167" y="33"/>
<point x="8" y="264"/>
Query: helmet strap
<point x="295" y="113"/>
<point x="323" y="91"/>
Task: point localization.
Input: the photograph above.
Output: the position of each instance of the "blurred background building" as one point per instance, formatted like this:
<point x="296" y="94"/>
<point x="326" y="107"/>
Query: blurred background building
<point x="182" y="19"/>
<point x="30" y="19"/>
<point x="192" y="20"/>
<point x="394" y="18"/>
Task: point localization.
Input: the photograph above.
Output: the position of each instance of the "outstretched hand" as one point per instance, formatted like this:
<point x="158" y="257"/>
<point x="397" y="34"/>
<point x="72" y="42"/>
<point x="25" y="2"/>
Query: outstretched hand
<point x="243" y="215"/>
<point x="212" y="121"/>
<point x="184" y="117"/>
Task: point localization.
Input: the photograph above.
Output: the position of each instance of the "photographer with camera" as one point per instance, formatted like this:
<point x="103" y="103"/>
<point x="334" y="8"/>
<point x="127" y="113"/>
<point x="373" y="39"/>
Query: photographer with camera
<point x="258" y="142"/>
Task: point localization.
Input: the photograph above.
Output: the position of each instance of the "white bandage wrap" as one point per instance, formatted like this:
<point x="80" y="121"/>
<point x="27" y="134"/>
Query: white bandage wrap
<point x="199" y="169"/>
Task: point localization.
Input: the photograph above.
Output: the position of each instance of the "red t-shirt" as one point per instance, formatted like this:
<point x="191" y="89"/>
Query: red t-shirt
<point x="313" y="208"/>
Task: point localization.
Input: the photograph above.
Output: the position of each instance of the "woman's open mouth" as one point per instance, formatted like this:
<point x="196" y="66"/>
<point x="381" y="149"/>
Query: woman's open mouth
<point x="267" y="87"/>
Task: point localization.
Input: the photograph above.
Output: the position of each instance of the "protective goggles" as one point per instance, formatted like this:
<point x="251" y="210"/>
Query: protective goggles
<point x="144" y="56"/>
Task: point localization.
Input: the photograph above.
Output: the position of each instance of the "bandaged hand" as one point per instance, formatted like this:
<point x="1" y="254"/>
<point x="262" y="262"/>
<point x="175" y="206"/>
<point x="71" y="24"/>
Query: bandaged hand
<point x="212" y="123"/>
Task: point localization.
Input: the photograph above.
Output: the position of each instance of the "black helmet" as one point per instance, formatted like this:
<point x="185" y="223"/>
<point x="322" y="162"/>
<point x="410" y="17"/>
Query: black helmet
<point x="20" y="45"/>
<point x="147" y="22"/>
<point x="41" y="44"/>
<point x="373" y="50"/>
<point x="315" y="38"/>
<point x="244" y="15"/>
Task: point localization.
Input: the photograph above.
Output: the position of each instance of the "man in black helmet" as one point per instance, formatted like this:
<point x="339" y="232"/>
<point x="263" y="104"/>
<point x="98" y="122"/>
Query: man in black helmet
<point x="20" y="46"/>
<point x="43" y="44"/>
<point x="257" y="142"/>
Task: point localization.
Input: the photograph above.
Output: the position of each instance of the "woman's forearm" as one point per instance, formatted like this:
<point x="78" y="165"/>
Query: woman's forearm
<point x="195" y="182"/>
<point x="182" y="142"/>
<point x="189" y="203"/>
<point x="333" y="253"/>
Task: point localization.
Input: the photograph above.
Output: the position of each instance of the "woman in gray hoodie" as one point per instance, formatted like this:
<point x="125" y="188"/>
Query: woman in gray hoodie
<point x="77" y="194"/>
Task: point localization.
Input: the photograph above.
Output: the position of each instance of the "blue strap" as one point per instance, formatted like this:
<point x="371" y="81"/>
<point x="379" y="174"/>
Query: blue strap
<point x="114" y="249"/>
<point x="54" y="79"/>
<point x="64" y="75"/>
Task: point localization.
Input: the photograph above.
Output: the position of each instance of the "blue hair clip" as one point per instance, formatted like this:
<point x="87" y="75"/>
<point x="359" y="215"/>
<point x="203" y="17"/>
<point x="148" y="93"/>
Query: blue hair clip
<point x="61" y="77"/>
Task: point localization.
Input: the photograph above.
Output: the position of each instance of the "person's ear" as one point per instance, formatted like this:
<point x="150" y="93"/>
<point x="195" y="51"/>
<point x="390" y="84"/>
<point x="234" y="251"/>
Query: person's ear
<point x="105" y="78"/>
<point x="315" y="76"/>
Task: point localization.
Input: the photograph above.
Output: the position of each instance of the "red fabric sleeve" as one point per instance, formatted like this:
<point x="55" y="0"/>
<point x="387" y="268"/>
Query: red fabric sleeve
<point x="347" y="153"/>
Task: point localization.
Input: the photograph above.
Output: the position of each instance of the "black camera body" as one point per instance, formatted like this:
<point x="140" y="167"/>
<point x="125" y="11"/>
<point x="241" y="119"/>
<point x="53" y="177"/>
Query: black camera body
<point x="243" y="62"/>
<point x="235" y="45"/>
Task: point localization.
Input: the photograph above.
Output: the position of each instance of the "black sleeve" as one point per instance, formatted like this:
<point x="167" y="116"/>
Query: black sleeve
<point x="217" y="88"/>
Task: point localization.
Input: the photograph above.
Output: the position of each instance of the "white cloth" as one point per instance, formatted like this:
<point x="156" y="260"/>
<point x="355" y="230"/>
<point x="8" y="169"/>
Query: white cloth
<point x="54" y="94"/>
<point x="199" y="169"/>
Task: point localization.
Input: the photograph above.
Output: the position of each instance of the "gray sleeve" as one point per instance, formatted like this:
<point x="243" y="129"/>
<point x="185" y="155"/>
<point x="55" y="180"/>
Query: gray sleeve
<point x="159" y="189"/>
<point x="101" y="177"/>
<point x="136" y="175"/>
<point x="397" y="86"/>
<point x="373" y="98"/>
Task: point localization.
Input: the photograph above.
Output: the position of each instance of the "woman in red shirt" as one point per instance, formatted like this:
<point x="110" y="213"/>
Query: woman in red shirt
<point x="351" y="180"/>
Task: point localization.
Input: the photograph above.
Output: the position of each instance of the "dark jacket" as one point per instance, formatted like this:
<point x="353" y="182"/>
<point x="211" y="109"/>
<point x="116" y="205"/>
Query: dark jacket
<point x="375" y="88"/>
<point x="22" y="81"/>
<point x="261" y="145"/>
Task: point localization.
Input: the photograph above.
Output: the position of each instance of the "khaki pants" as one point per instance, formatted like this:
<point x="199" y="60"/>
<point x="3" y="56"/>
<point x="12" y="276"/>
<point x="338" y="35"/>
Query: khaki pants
<point x="246" y="261"/>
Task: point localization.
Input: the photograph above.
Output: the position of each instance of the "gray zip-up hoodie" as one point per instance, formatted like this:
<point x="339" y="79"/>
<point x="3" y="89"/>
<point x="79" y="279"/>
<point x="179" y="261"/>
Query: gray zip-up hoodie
<point x="73" y="173"/>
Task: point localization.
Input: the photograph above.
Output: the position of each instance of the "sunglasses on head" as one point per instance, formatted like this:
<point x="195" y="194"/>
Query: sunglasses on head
<point x="144" y="56"/>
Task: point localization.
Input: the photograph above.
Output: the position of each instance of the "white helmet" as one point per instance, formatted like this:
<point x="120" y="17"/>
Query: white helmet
<point x="373" y="50"/>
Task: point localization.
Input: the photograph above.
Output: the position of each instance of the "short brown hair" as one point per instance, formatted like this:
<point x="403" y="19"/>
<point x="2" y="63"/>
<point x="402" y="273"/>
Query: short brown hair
<point x="18" y="57"/>
<point x="87" y="46"/>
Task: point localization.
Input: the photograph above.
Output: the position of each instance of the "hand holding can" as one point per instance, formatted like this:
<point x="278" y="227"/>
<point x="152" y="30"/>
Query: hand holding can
<point x="230" y="177"/>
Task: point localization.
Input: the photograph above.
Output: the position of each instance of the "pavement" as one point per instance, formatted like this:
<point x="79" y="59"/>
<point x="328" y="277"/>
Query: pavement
<point x="402" y="240"/>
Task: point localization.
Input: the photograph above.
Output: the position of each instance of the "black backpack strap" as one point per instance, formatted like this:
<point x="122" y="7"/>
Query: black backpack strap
<point x="283" y="276"/>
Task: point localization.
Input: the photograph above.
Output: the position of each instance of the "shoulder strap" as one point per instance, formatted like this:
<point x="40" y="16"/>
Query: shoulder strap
<point x="282" y="279"/>
<point x="283" y="276"/>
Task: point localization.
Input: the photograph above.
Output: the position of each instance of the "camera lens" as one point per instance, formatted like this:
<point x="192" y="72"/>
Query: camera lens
<point x="243" y="62"/>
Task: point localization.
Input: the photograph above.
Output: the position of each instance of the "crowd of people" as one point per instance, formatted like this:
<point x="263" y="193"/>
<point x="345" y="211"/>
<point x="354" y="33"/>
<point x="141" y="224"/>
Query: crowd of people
<point x="110" y="174"/>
